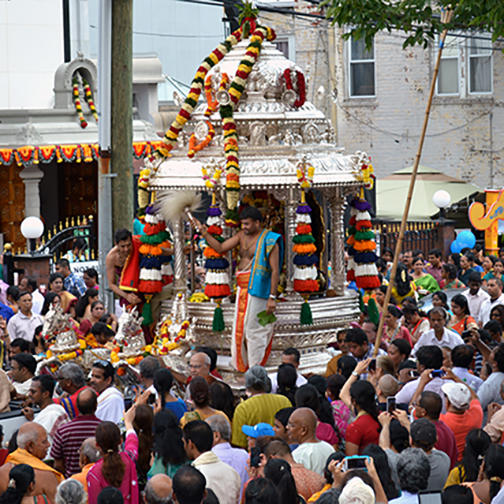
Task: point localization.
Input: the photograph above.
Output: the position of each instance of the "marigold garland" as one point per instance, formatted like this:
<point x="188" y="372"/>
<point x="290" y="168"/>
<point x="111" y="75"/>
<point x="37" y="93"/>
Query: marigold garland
<point x="194" y="146"/>
<point x="211" y="180"/>
<point x="300" y="84"/>
<point x="213" y="104"/>
<point x="77" y="103"/>
<point x="197" y="84"/>
<point x="88" y="93"/>
<point x="236" y="89"/>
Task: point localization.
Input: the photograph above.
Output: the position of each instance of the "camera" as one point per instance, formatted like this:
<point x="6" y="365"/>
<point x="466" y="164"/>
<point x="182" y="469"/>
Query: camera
<point x="437" y="373"/>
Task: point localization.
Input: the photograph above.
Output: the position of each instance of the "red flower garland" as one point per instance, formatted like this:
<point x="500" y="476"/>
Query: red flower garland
<point x="300" y="84"/>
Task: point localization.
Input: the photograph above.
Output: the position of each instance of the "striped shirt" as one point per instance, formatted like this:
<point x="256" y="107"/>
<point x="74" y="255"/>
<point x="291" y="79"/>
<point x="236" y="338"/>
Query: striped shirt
<point x="256" y="409"/>
<point x="68" y="440"/>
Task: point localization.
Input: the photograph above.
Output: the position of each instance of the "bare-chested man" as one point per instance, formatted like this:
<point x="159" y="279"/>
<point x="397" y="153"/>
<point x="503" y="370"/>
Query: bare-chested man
<point x="257" y="276"/>
<point x="114" y="264"/>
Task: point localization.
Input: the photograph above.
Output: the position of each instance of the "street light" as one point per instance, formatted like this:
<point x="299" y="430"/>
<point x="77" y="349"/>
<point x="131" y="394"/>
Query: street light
<point x="32" y="228"/>
<point x="441" y="199"/>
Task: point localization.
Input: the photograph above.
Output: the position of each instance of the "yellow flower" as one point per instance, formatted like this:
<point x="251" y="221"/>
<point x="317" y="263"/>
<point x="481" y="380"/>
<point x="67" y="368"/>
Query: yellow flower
<point x="114" y="357"/>
<point x="148" y="348"/>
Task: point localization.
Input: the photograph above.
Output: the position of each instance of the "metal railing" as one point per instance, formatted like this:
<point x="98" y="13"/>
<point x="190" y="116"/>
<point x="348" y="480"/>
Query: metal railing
<point x="422" y="236"/>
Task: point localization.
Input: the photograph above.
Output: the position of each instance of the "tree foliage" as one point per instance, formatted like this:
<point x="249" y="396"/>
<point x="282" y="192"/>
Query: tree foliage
<point x="420" y="20"/>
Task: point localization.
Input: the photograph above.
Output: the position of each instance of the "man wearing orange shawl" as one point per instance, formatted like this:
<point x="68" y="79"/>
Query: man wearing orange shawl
<point x="32" y="449"/>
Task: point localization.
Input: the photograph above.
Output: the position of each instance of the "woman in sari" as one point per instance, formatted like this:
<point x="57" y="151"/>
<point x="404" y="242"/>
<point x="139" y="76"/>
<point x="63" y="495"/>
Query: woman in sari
<point x="56" y="285"/>
<point x="392" y="329"/>
<point x="461" y="320"/>
<point x="424" y="282"/>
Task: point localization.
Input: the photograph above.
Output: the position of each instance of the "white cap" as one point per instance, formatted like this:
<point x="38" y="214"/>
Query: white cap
<point x="458" y="394"/>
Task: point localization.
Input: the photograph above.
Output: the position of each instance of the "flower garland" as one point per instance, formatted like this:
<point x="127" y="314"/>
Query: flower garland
<point x="361" y="265"/>
<point x="213" y="104"/>
<point x="216" y="265"/>
<point x="211" y="180"/>
<point x="155" y="266"/>
<point x="229" y="125"/>
<point x="89" y="98"/>
<point x="300" y="84"/>
<point x="194" y="146"/>
<point x="185" y="112"/>
<point x="366" y="172"/>
<point x="77" y="103"/>
<point x="305" y="260"/>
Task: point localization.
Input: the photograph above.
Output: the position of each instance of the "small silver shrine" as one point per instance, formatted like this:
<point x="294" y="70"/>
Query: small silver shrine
<point x="274" y="137"/>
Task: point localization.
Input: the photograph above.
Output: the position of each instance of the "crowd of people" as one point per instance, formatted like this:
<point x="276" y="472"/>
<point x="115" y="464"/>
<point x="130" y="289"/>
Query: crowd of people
<point x="417" y="412"/>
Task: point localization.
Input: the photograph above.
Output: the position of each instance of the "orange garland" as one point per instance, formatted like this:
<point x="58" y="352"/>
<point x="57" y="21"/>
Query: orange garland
<point x="196" y="147"/>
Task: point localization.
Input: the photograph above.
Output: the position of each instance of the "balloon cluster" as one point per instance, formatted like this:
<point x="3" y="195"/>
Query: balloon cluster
<point x="465" y="239"/>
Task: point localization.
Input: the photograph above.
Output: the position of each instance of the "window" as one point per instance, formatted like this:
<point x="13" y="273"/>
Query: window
<point x="466" y="66"/>
<point x="448" y="77"/>
<point x="286" y="45"/>
<point x="362" y="69"/>
<point x="480" y="65"/>
<point x="283" y="47"/>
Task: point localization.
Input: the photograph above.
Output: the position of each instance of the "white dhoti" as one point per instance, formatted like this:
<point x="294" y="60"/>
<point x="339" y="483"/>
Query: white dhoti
<point x="251" y="342"/>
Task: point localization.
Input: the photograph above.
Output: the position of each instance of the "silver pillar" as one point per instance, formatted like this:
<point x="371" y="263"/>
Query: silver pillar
<point x="180" y="265"/>
<point x="336" y="201"/>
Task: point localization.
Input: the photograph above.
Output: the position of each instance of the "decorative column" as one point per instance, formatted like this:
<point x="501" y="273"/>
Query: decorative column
<point x="179" y="267"/>
<point x="336" y="200"/>
<point x="32" y="176"/>
<point x="290" y="231"/>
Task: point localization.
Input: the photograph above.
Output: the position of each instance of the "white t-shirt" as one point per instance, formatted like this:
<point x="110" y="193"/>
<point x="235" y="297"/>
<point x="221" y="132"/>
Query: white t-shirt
<point x="110" y="405"/>
<point x="51" y="417"/>
<point x="313" y="455"/>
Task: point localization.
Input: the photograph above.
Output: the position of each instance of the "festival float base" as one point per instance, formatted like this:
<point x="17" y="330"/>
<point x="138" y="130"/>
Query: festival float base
<point x="330" y="314"/>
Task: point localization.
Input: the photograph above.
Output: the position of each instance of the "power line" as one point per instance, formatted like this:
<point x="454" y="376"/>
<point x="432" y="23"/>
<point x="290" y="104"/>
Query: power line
<point x="278" y="10"/>
<point x="171" y="35"/>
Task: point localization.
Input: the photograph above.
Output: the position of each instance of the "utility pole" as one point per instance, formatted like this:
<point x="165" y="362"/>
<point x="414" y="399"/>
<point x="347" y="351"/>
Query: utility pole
<point x="105" y="241"/>
<point x="121" y="114"/>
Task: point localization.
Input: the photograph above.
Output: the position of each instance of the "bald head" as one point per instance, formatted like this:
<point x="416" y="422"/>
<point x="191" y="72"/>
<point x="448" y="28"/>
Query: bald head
<point x="158" y="489"/>
<point x="302" y="425"/>
<point x="388" y="385"/>
<point x="32" y="437"/>
<point x="87" y="401"/>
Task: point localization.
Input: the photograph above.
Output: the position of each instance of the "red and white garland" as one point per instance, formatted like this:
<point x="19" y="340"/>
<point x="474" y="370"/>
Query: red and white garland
<point x="88" y="93"/>
<point x="300" y="86"/>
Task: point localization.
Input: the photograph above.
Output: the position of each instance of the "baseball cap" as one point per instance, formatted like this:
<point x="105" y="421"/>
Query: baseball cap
<point x="458" y="394"/>
<point x="423" y="431"/>
<point x="255" y="431"/>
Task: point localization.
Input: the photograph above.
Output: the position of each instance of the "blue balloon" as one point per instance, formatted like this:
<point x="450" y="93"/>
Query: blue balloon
<point x="455" y="247"/>
<point x="466" y="238"/>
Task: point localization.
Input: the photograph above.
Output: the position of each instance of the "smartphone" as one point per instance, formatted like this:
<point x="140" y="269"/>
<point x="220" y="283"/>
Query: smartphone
<point x="391" y="404"/>
<point x="355" y="462"/>
<point x="151" y="399"/>
<point x="414" y="374"/>
<point x="466" y="335"/>
<point x="372" y="365"/>
<point x="429" y="497"/>
<point x="437" y="373"/>
<point x="255" y="456"/>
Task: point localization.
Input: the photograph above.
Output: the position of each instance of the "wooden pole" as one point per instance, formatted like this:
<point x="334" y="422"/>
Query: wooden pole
<point x="121" y="114"/>
<point x="445" y="18"/>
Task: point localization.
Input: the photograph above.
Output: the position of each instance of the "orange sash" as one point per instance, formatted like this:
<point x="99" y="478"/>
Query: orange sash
<point x="21" y="456"/>
<point x="242" y="281"/>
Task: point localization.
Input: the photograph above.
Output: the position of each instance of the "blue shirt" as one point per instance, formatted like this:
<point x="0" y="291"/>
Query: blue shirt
<point x="74" y="285"/>
<point x="6" y="312"/>
<point x="178" y="408"/>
